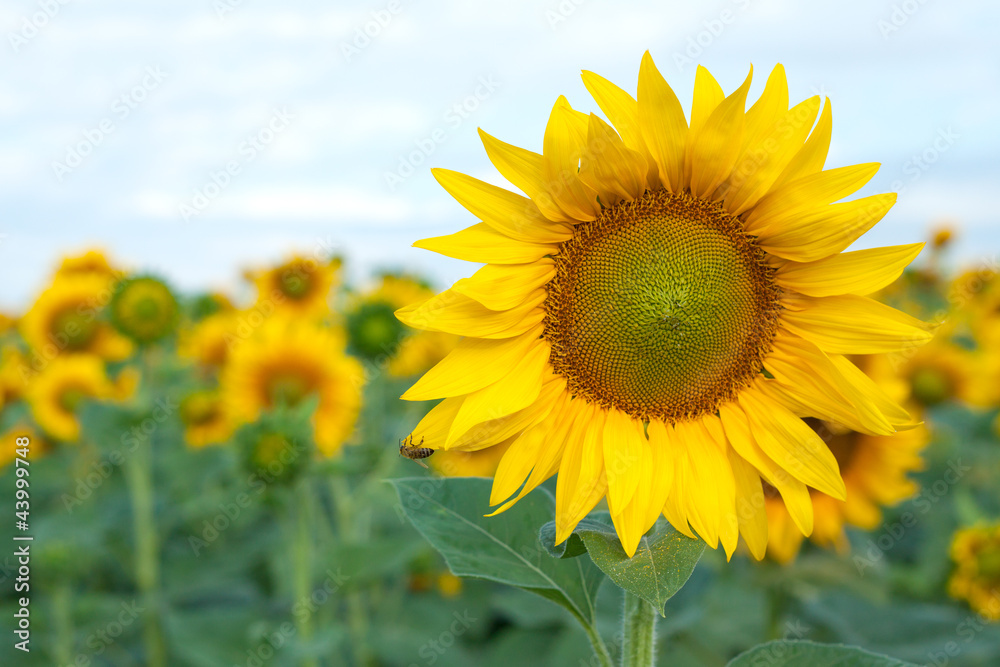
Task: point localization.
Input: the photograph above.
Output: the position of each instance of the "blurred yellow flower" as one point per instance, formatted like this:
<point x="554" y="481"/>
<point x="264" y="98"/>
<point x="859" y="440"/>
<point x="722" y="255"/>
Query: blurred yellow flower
<point x="976" y="578"/>
<point x="208" y="342"/>
<point x="14" y="374"/>
<point x="875" y="471"/>
<point x="301" y="287"/>
<point x="286" y="361"/>
<point x="67" y="318"/>
<point x="144" y="309"/>
<point x="91" y="262"/>
<point x="205" y="418"/>
<point x="449" y="585"/>
<point x="55" y="393"/>
<point x="942" y="236"/>
<point x="37" y="446"/>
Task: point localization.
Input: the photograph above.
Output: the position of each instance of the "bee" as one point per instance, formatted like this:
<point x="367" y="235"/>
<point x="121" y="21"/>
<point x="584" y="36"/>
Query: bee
<point x="414" y="452"/>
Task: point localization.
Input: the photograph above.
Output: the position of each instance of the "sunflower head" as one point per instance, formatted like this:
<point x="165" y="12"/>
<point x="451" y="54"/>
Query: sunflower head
<point x="373" y="330"/>
<point x="205" y="305"/>
<point x="38" y="445"/>
<point x="481" y="463"/>
<point x="976" y="577"/>
<point x="276" y="448"/>
<point x="301" y="286"/>
<point x="144" y="309"/>
<point x="658" y="313"/>
<point x="91" y="262"/>
<point x="69" y="318"/>
<point x="209" y="340"/>
<point x="205" y="418"/>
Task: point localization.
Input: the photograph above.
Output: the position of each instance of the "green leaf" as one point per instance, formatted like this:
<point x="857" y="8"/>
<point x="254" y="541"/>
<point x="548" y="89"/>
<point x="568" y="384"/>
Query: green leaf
<point x="573" y="546"/>
<point x="504" y="548"/>
<point x="662" y="563"/>
<point x="811" y="654"/>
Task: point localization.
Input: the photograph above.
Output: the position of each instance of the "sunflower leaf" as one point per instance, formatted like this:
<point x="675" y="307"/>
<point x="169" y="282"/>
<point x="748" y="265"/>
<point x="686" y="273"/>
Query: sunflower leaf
<point x="573" y="546"/>
<point x="800" y="652"/>
<point x="504" y="548"/>
<point x="660" y="567"/>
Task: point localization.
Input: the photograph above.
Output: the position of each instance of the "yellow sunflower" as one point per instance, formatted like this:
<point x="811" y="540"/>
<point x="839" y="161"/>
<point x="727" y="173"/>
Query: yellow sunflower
<point x="659" y="311"/>
<point x="37" y="446"/>
<point x="67" y="318"/>
<point x="55" y="393"/>
<point x="300" y="286"/>
<point x="376" y="334"/>
<point x="208" y="341"/>
<point x="206" y="419"/>
<point x="874" y="469"/>
<point x="14" y="374"/>
<point x="91" y="262"/>
<point x="288" y="360"/>
<point x="144" y="309"/>
<point x="976" y="578"/>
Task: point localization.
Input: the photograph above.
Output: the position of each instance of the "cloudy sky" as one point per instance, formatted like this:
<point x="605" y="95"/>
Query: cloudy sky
<point x="193" y="139"/>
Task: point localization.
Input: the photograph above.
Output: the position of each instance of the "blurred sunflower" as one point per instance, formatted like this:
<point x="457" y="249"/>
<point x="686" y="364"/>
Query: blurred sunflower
<point x="55" y="393"/>
<point x="376" y="334"/>
<point x="976" y="578"/>
<point x="68" y="318"/>
<point x="91" y="262"/>
<point x="14" y="374"/>
<point x="144" y="309"/>
<point x="300" y="286"/>
<point x="7" y="323"/>
<point x="208" y="341"/>
<point x="38" y="446"/>
<point x="205" y="418"/>
<point x="875" y="471"/>
<point x="653" y="315"/>
<point x="287" y="361"/>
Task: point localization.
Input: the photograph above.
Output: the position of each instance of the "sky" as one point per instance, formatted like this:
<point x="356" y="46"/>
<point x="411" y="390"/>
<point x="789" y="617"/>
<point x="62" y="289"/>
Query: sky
<point x="196" y="139"/>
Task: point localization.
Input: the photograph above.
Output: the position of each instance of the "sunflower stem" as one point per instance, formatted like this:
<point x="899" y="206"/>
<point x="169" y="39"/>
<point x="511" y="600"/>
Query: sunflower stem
<point x="302" y="560"/>
<point x="596" y="643"/>
<point x="639" y="632"/>
<point x="62" y="612"/>
<point x="357" y="616"/>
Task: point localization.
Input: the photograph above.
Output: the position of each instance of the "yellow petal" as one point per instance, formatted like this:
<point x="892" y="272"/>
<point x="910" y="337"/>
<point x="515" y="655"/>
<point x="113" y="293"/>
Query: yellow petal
<point x="673" y="509"/>
<point x="750" y="505"/>
<point x="663" y="126"/>
<point x="812" y="156"/>
<point x="517" y="463"/>
<point x="455" y="313"/>
<point x="663" y="462"/>
<point x="581" y="483"/>
<point x="858" y="272"/>
<point x="783" y="206"/>
<point x="506" y="212"/>
<point x="491" y="359"/>
<point x="506" y="286"/>
<point x="851" y="324"/>
<point x="794" y="492"/>
<point x="612" y="170"/>
<point x="514" y="391"/>
<point x="622" y="455"/>
<point x="639" y="515"/>
<point x="432" y="430"/>
<point x="564" y="143"/>
<point x="864" y="385"/>
<point x="494" y="431"/>
<point x="769" y="108"/>
<point x="716" y="145"/>
<point x="701" y="501"/>
<point x="790" y="443"/>
<point x="525" y="170"/>
<point x="825" y="230"/>
<point x="482" y="243"/>
<point x="763" y="160"/>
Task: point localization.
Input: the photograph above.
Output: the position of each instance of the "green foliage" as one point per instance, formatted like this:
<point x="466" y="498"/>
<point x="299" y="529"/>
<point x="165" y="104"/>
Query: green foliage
<point x="811" y="654"/>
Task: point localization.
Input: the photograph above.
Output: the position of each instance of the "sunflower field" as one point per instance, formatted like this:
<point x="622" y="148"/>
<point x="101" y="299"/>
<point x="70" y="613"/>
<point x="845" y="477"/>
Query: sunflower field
<point x="670" y="420"/>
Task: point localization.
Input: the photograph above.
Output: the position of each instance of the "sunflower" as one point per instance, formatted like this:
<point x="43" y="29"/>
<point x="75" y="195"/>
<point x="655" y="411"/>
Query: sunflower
<point x="654" y="318"/>
<point x="144" y="309"/>
<point x="37" y="446"/>
<point x="91" y="262"/>
<point x="300" y="286"/>
<point x="480" y="463"/>
<point x="14" y="374"/>
<point x="287" y="361"/>
<point x="377" y="335"/>
<point x="209" y="341"/>
<point x="205" y="418"/>
<point x="976" y="578"/>
<point x="55" y="393"/>
<point x="68" y="318"/>
<point x="874" y="469"/>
